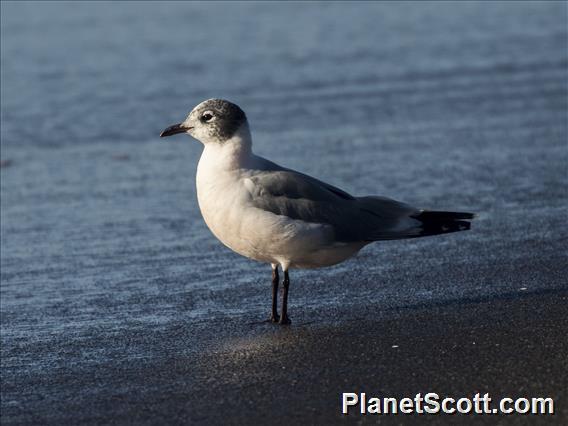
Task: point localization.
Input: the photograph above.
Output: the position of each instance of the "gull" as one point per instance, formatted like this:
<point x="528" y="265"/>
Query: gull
<point x="288" y="219"/>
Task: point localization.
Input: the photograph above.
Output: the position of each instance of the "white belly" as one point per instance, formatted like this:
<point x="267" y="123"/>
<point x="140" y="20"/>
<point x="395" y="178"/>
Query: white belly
<point x="260" y="235"/>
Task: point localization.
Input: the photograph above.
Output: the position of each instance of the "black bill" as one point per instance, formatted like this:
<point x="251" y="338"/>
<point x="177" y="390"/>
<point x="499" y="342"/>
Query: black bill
<point x="174" y="130"/>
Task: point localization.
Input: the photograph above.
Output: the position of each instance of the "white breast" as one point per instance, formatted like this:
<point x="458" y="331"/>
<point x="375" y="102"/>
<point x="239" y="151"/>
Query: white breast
<point x="225" y="203"/>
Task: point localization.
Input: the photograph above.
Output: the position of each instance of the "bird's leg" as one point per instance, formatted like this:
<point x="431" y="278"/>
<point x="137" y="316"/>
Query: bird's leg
<point x="274" y="317"/>
<point x="284" y="314"/>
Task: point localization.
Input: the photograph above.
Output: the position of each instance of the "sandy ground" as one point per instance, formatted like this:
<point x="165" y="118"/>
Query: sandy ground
<point x="118" y="306"/>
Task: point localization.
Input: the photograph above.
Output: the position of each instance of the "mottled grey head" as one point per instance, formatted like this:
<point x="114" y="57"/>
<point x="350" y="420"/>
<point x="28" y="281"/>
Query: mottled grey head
<point x="214" y="120"/>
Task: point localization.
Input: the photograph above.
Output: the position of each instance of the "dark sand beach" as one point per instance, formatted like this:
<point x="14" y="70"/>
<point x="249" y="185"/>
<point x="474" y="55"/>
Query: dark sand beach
<point x="118" y="306"/>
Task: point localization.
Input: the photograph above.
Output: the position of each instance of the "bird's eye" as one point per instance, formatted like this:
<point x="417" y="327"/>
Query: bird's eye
<point x="206" y="117"/>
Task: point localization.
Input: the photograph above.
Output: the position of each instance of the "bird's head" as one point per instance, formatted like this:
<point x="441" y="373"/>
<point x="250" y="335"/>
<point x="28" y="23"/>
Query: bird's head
<point x="212" y="121"/>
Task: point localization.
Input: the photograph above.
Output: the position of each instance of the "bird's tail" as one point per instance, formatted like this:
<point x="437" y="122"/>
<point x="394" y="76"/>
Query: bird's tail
<point x="440" y="222"/>
<point x="386" y="219"/>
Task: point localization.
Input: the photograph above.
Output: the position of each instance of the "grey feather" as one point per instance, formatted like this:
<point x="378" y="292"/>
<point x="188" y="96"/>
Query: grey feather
<point x="301" y="197"/>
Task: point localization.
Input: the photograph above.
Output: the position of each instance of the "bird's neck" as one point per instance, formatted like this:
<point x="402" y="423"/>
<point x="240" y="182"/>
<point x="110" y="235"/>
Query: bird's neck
<point x="234" y="153"/>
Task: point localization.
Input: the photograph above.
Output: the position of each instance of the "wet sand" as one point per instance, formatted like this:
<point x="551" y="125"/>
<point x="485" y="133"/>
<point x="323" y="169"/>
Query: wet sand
<point x="239" y="372"/>
<point x="118" y="306"/>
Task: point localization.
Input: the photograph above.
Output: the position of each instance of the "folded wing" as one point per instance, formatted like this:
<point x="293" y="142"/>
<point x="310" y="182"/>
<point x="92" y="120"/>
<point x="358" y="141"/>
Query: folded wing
<point x="301" y="197"/>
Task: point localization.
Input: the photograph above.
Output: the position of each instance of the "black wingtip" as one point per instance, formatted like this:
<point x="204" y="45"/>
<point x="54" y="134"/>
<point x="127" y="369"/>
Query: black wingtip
<point x="443" y="222"/>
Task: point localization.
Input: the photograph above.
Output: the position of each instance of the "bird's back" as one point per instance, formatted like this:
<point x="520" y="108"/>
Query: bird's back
<point x="263" y="210"/>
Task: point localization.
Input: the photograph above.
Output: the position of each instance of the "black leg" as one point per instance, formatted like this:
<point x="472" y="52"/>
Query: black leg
<point x="274" y="317"/>
<point x="286" y="284"/>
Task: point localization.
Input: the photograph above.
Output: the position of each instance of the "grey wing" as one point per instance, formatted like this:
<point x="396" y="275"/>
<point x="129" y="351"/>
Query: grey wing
<point x="301" y="197"/>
